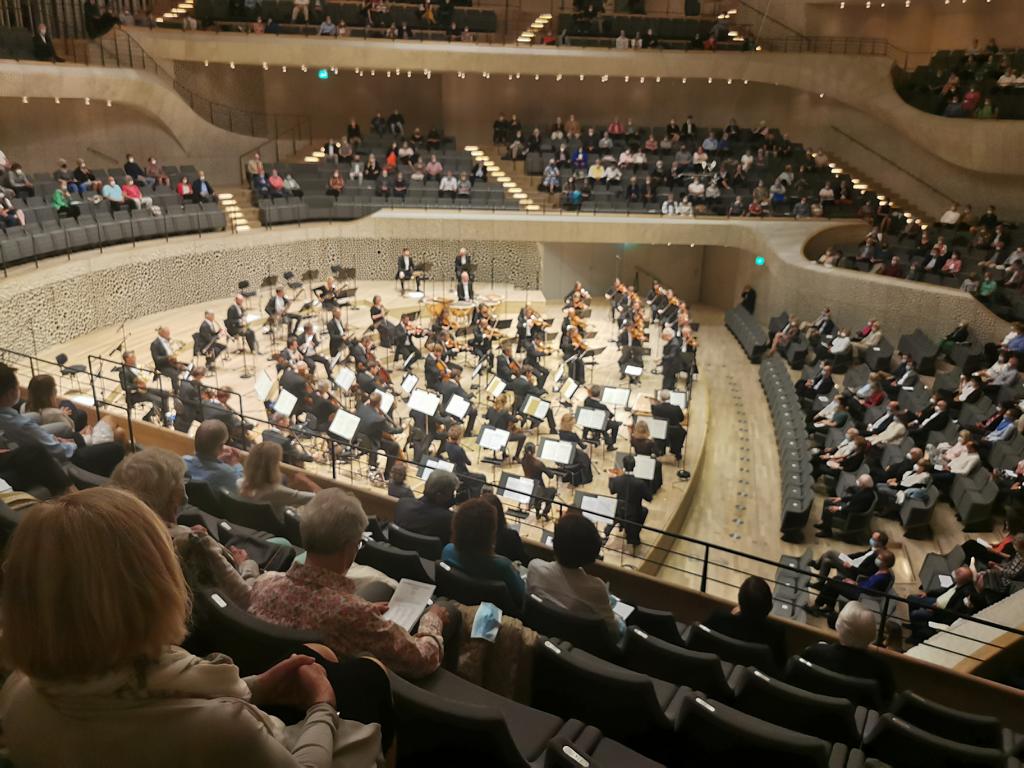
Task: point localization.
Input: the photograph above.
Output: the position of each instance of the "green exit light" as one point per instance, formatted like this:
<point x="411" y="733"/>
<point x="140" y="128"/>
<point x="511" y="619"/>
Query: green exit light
<point x="759" y="260"/>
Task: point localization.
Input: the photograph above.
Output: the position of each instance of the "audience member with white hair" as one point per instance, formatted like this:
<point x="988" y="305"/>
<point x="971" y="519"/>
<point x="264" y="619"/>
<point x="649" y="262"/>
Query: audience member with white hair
<point x="317" y="595"/>
<point x="856" y="627"/>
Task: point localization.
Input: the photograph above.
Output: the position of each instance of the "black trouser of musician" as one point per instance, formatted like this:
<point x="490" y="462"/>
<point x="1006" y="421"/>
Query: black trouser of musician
<point x="404" y="276"/>
<point x="676" y="437"/>
<point x="404" y="350"/>
<point x="610" y="433"/>
<point x="470" y="486"/>
<point x="669" y="372"/>
<point x="470" y="419"/>
<point x="30" y="466"/>
<point x="389" y="448"/>
<point x="422" y="442"/>
<point x="578" y="371"/>
<point x="157" y="398"/>
<point x="541" y="373"/>
<point x="337" y="342"/>
<point x="630" y="356"/>
<point x="543" y="497"/>
<point x="519" y="438"/>
<point x="250" y="338"/>
<point x="212" y="352"/>
<point x="312" y="360"/>
<point x="629" y="523"/>
<point x="172" y="373"/>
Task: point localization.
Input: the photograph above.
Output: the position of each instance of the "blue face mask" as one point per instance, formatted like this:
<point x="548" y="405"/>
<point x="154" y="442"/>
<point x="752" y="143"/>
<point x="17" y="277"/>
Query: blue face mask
<point x="487" y="622"/>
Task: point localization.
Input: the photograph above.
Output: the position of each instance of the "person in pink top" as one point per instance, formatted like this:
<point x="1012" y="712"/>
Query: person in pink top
<point x="134" y="195"/>
<point x="276" y="183"/>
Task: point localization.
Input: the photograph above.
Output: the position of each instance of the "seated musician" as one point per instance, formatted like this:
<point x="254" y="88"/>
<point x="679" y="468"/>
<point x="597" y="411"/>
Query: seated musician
<point x="580" y="471"/>
<point x="297" y="382"/>
<point x="362" y="352"/>
<point x="426" y="430"/>
<point x="464" y="290"/>
<point x="524" y="325"/>
<point x="673" y="414"/>
<point x="405" y="349"/>
<point x="280" y="432"/>
<point x="449" y="385"/>
<point x="631" y="340"/>
<point x="328" y="294"/>
<point x="536" y="470"/>
<point x="321" y="410"/>
<point x="451" y="348"/>
<point x="534" y="351"/>
<point x="578" y="292"/>
<point x="372" y="378"/>
<point x="472" y="482"/>
<point x="377" y="311"/>
<point x="507" y="368"/>
<point x="137" y="389"/>
<point x="483" y="336"/>
<point x="208" y="338"/>
<point x="433" y="366"/>
<point x="462" y="262"/>
<point x="190" y="399"/>
<point x="611" y="429"/>
<point x="443" y="322"/>
<point x="521" y="387"/>
<point x="376" y="434"/>
<point x="308" y="344"/>
<point x="500" y="415"/>
<point x="277" y="306"/>
<point x="643" y="445"/>
<point x="290" y="355"/>
<point x="164" y="360"/>
<point x="406" y="270"/>
<point x="336" y="330"/>
<point x="573" y="348"/>
<point x="236" y="325"/>
<point x="216" y="405"/>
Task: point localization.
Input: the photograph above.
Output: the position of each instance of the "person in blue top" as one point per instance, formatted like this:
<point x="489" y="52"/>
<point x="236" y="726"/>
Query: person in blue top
<point x="213" y="463"/>
<point x="474" y="530"/>
<point x="878" y="583"/>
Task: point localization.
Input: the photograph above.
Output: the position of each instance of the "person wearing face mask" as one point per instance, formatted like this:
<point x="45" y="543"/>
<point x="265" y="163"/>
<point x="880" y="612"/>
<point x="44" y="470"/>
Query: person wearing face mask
<point x="857" y="501"/>
<point x="943" y="604"/>
<point x="963" y="463"/>
<point x="849" y="566"/>
<point x="897" y="468"/>
<point x="877" y="583"/>
<point x="933" y="419"/>
<point x="914" y="484"/>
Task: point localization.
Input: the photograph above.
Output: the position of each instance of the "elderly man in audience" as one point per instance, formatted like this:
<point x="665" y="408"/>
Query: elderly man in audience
<point x="933" y="418"/>
<point x="833" y="461"/>
<point x="943" y="604"/>
<point x="430" y="515"/>
<point x="894" y="431"/>
<point x="852" y="566"/>
<point x="963" y="459"/>
<point x="318" y="596"/>
<point x="878" y="582"/>
<point x="859" y="499"/>
<point x="213" y="462"/>
<point x="157" y="477"/>
<point x="856" y="628"/>
<point x="914" y="484"/>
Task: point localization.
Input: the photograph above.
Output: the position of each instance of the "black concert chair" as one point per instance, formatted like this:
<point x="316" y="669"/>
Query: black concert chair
<point x="252" y="644"/>
<point x="640" y="711"/>
<point x="812" y="677"/>
<point x="832" y="719"/>
<point x="428" y="547"/>
<point x="897" y="742"/>
<point x="962" y="727"/>
<point x="289" y="278"/>
<point x="701" y="638"/>
<point x="69" y="371"/>
<point x="584" y="632"/>
<point x="660" y="624"/>
<point x="261" y="517"/>
<point x="716" y="734"/>
<point x="245" y="289"/>
<point x="700" y="671"/>
<point x="460" y="586"/>
<point x="591" y="750"/>
<point x="397" y="563"/>
<point x="205" y="497"/>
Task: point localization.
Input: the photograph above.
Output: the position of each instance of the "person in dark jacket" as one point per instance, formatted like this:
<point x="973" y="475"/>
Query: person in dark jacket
<point x="431" y="514"/>
<point x="749" y="621"/>
<point x="856" y="628"/>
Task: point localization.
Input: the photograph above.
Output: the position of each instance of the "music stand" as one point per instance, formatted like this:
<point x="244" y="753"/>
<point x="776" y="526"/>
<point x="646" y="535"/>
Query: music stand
<point x="568" y="392"/>
<point x="424" y="470"/>
<point x="493" y="439"/>
<point x="424" y="402"/>
<point x="590" y="360"/>
<point x="518" y="490"/>
<point x="600" y="510"/>
<point x="345" y="378"/>
<point x="645" y="465"/>
<point x="409" y="382"/>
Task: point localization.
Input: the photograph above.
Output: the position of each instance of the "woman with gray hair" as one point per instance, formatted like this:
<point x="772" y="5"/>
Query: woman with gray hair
<point x="317" y="594"/>
<point x="157" y="478"/>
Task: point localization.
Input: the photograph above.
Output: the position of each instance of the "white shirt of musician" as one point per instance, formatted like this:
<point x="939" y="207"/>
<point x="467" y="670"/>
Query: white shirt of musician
<point x="212" y="324"/>
<point x="309" y="341"/>
<point x="406" y="263"/>
<point x="279" y="304"/>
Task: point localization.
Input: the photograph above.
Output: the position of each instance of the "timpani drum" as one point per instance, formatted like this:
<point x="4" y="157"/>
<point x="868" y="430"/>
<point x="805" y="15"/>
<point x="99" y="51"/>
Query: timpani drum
<point x="436" y="306"/>
<point x="461" y="313"/>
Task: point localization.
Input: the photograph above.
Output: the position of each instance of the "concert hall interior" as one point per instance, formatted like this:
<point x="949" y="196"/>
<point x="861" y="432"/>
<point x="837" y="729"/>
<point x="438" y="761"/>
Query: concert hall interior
<point x="516" y="384"/>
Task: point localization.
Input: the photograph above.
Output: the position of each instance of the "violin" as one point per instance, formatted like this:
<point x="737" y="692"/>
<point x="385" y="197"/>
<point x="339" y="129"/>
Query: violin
<point x="576" y="338"/>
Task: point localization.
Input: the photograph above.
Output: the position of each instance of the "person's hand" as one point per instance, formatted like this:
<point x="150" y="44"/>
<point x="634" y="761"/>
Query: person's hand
<point x="380" y="608"/>
<point x="891" y="481"/>
<point x="441" y="613"/>
<point x="230" y="455"/>
<point x="199" y="530"/>
<point x="238" y="554"/>
<point x="65" y="410"/>
<point x="849" y="581"/>
<point x="297" y="682"/>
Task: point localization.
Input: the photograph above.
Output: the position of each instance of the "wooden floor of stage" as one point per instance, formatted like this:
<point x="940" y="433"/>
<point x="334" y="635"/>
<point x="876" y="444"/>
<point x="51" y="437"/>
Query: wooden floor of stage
<point x="735" y="498"/>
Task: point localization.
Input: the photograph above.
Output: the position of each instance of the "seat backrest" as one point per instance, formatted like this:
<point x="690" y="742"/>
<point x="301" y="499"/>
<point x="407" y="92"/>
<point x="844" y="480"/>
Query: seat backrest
<point x="252" y="514"/>
<point x="660" y="624"/>
<point x="436" y="728"/>
<point x="827" y="717"/>
<point x="716" y="734"/>
<point x="574" y="684"/>
<point x="897" y="742"/>
<point x="586" y="632"/>
<point x="397" y="563"/>
<point x="665" y="661"/>
<point x="812" y="677"/>
<point x="205" y="497"/>
<point x="758" y="655"/>
<point x="427" y="546"/>
<point x="469" y="590"/>
<point x="254" y="645"/>
<point x="957" y="725"/>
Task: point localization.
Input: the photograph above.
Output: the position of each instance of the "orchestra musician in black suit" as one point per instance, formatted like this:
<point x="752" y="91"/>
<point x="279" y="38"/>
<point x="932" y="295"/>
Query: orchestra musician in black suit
<point x="336" y="330"/>
<point x="163" y="357"/>
<point x="673" y="414"/>
<point x="236" y="325"/>
<point x="276" y="307"/>
<point x="671" y="358"/>
<point x="631" y="493"/>
<point x="137" y="389"/>
<point x="611" y="427"/>
<point x="532" y="360"/>
<point x="464" y="290"/>
<point x="208" y="339"/>
<point x="190" y="399"/>
<point x="462" y="262"/>
<point x="308" y="344"/>
<point x="405" y="270"/>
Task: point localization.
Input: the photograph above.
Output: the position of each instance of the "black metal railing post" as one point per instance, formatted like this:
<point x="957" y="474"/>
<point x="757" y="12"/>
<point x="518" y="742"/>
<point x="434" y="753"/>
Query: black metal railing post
<point x="704" y="569"/>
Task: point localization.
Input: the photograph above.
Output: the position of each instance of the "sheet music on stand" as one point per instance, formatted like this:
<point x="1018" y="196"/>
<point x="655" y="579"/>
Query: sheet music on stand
<point x="560" y="374"/>
<point x="285" y="402"/>
<point x="493" y="438"/>
<point x="644" y="468"/>
<point x="430" y="465"/>
<point x="600" y="510"/>
<point x="569" y="390"/>
<point x="516" y="489"/>
<point x="677" y="398"/>
<point x="264" y="383"/>
<point x="559" y="451"/>
<point x="457" y="406"/>
<point x="424" y="402"/>
<point x="409" y="383"/>
<point x="633" y="370"/>
<point x="535" y="407"/>
<point x="615" y="397"/>
<point x="658" y="427"/>
<point x="495" y="386"/>
<point x="592" y="418"/>
<point x="479" y="367"/>
<point x="345" y="378"/>
<point x="387" y="400"/>
<point x="344" y="425"/>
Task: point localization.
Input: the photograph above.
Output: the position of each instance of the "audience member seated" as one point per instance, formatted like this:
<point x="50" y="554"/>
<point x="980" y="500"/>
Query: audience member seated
<point x="748" y="620"/>
<point x="943" y="605"/>
<point x="856" y="628"/>
<point x="430" y="515"/>
<point x="120" y="663"/>
<point x="213" y="462"/>
<point x="157" y="478"/>
<point x="474" y="532"/>
<point x="397" y="488"/>
<point x="878" y="583"/>
<point x="261" y="480"/>
<point x="317" y="595"/>
<point x="577" y="544"/>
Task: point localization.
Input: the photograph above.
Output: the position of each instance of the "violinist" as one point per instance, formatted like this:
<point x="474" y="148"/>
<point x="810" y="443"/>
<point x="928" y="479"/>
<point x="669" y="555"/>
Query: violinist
<point x="656" y="296"/>
<point x="404" y="347"/>
<point x="673" y="414"/>
<point x="616" y="295"/>
<point x="483" y="336"/>
<point x="500" y="416"/>
<point x="336" y="330"/>
<point x="523" y="385"/>
<point x="574" y="352"/>
<point x="643" y="444"/>
<point x="631" y="492"/>
<point x="188" y="395"/>
<point x="362" y="352"/>
<point x="670" y="311"/>
<point x="689" y="350"/>
<point x="434" y="369"/>
<point x="308" y="343"/>
<point x="507" y="368"/>
<point x="375" y="435"/>
<point x="577" y="294"/>
<point x="377" y="312"/>
<point x="534" y="350"/>
<point x="611" y="429"/>
<point x="451" y="348"/>
<point x="441" y="323"/>
<point x="524" y="325"/>
<point x="535" y="469"/>
<point x="372" y="378"/>
<point x="631" y="340"/>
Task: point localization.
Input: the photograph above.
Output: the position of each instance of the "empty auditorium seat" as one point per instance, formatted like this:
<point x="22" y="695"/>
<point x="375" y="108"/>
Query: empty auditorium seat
<point x="702" y="638"/>
<point x="812" y="677"/>
<point x="954" y="724"/>
<point x="261" y="517"/>
<point x="585" y="632"/>
<point x="427" y="546"/>
<point x="204" y="497"/>
<point x="898" y="743"/>
<point x="700" y="671"/>
<point x="660" y="624"/>
<point x="397" y="563"/>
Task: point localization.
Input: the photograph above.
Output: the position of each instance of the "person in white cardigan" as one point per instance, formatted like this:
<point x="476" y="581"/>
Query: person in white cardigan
<point x="98" y="677"/>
